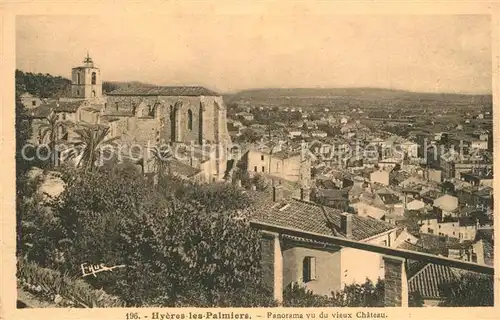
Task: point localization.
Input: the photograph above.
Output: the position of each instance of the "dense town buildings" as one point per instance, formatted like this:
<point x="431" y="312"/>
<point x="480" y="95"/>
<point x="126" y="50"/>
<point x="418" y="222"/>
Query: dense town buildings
<point x="333" y="172"/>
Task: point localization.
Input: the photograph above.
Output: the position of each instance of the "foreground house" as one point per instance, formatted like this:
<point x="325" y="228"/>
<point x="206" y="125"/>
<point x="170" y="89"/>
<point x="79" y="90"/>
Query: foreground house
<point x="321" y="267"/>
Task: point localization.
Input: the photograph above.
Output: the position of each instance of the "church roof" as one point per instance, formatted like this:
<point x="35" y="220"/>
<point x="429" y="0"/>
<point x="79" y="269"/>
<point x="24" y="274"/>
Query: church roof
<point x="163" y="91"/>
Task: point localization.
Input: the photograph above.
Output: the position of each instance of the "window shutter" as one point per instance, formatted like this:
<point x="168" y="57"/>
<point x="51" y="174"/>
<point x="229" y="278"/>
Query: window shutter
<point x="305" y="269"/>
<point x="312" y="268"/>
<point x="309" y="269"/>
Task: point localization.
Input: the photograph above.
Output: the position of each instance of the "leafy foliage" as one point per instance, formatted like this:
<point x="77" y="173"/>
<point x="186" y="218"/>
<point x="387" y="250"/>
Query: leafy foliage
<point x="90" y="144"/>
<point x="77" y="293"/>
<point x="42" y="85"/>
<point x="161" y="156"/>
<point x="415" y="299"/>
<point x="109" y="86"/>
<point x="50" y="132"/>
<point x="183" y="245"/>
<point x="470" y="290"/>
<point x="367" y="294"/>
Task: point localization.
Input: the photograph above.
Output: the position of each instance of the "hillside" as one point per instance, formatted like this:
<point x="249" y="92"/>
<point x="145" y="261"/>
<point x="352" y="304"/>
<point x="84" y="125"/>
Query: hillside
<point x="49" y="86"/>
<point x="42" y="85"/>
<point x="361" y="96"/>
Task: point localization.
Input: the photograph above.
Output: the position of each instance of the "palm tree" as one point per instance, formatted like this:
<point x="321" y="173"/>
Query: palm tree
<point x="161" y="157"/>
<point x="49" y="130"/>
<point x="90" y="143"/>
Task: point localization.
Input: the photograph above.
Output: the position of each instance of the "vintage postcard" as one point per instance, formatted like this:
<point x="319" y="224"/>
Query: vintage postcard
<point x="270" y="160"/>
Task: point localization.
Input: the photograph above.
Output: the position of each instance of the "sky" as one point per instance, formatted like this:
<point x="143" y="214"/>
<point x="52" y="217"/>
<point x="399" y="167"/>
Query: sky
<point x="228" y="53"/>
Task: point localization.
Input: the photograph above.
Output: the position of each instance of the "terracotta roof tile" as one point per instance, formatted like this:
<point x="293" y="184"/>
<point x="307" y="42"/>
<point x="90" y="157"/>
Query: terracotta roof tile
<point x="311" y="217"/>
<point x="163" y="91"/>
<point x="429" y="279"/>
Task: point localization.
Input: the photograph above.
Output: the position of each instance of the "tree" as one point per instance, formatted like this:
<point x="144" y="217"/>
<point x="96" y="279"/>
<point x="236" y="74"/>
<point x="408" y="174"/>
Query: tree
<point x="182" y="244"/>
<point x="42" y="85"/>
<point x="90" y="145"/>
<point x="367" y="294"/>
<point x="50" y="131"/>
<point x="248" y="135"/>
<point x="22" y="128"/>
<point x="161" y="157"/>
<point x="109" y="86"/>
<point x="470" y="290"/>
<point x="415" y="299"/>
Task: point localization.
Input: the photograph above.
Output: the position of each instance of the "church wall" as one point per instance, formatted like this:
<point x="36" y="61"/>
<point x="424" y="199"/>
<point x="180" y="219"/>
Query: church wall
<point x="183" y="133"/>
<point x="145" y="131"/>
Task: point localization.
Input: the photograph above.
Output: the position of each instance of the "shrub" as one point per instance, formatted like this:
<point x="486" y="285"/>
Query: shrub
<point x="76" y="292"/>
<point x="354" y="295"/>
<point x="182" y="243"/>
<point x="470" y="290"/>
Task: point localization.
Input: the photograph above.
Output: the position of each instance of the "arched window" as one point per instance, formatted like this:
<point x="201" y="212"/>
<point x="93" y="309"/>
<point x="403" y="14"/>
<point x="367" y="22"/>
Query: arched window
<point x="94" y="78"/>
<point x="93" y="93"/>
<point x="190" y="120"/>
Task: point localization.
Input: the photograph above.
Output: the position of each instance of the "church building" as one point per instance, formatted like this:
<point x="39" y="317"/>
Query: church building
<point x="191" y="120"/>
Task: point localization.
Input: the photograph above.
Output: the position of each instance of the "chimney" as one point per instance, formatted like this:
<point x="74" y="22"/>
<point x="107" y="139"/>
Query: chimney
<point x="277" y="193"/>
<point x="346" y="224"/>
<point x="305" y="193"/>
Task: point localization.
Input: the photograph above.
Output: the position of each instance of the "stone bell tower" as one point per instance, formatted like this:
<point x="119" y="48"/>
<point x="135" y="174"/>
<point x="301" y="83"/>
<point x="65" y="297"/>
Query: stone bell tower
<point x="86" y="80"/>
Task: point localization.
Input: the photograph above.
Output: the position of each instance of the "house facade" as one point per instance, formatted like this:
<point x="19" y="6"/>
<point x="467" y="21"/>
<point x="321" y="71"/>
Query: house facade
<point x="322" y="268"/>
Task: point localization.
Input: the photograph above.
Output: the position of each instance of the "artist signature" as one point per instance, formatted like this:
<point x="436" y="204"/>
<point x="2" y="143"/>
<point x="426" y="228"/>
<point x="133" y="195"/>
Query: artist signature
<point x="92" y="269"/>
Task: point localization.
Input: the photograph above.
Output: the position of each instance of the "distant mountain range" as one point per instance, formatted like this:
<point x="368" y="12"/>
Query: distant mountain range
<point x="356" y="97"/>
<point x="372" y="93"/>
<point x="46" y="85"/>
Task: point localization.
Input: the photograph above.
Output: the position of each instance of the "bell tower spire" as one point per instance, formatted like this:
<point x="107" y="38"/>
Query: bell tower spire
<point x="88" y="61"/>
<point x="86" y="80"/>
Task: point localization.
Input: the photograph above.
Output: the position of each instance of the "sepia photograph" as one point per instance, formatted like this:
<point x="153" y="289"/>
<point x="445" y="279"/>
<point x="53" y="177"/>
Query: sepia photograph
<point x="254" y="161"/>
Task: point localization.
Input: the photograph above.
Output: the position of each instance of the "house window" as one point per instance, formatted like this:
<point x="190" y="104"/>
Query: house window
<point x="263" y="169"/>
<point x="77" y="92"/>
<point x="116" y="106"/>
<point x="429" y="230"/>
<point x="262" y="157"/>
<point x="94" y="76"/>
<point x="190" y="120"/>
<point x="33" y="103"/>
<point x="93" y="93"/>
<point x="255" y="168"/>
<point x="309" y="269"/>
<point x="77" y="80"/>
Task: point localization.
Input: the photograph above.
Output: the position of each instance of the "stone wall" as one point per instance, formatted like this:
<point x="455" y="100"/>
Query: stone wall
<point x="267" y="262"/>
<point x="172" y="113"/>
<point x="396" y="294"/>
